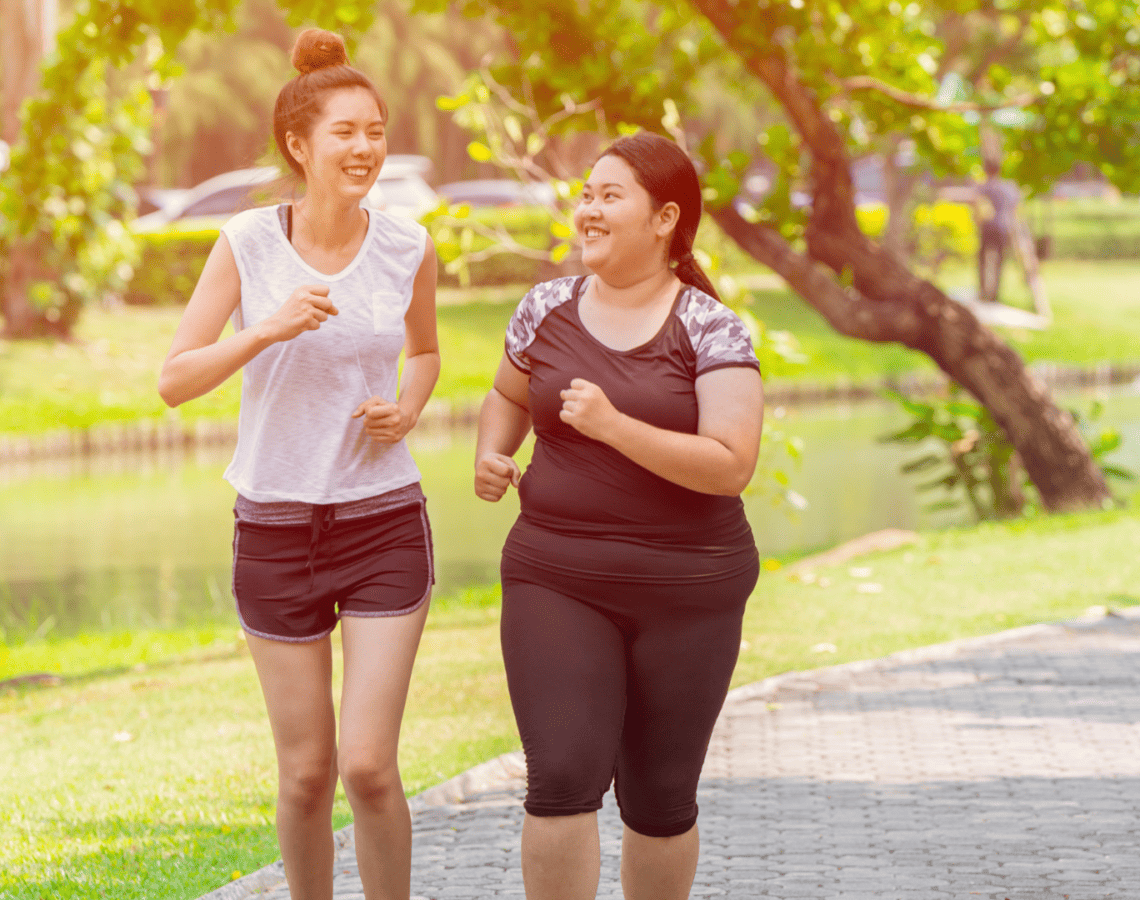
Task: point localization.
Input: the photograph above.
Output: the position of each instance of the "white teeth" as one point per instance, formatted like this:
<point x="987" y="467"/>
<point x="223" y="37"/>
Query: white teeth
<point x="361" y="172"/>
<point x="594" y="232"/>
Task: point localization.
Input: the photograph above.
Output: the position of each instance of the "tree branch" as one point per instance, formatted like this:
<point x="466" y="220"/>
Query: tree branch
<point x="848" y="311"/>
<point x="915" y="101"/>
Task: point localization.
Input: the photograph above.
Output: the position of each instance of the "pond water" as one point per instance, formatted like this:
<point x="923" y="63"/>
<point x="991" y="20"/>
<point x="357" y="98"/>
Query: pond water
<point x="132" y="541"/>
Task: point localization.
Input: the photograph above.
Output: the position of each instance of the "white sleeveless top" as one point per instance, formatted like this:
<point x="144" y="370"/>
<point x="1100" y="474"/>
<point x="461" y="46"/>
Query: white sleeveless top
<point x="296" y="438"/>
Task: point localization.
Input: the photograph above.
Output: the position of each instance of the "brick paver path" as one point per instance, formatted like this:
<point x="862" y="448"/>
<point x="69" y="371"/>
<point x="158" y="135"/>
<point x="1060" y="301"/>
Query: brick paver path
<point x="993" y="768"/>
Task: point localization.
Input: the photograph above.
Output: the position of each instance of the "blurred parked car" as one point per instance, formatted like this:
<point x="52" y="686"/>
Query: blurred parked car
<point x="402" y="188"/>
<point x="498" y="192"/>
<point x="151" y="199"/>
<point x="399" y="189"/>
<point x="210" y="203"/>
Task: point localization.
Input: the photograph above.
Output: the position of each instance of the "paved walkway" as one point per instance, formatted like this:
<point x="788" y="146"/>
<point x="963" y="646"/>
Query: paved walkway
<point x="999" y="768"/>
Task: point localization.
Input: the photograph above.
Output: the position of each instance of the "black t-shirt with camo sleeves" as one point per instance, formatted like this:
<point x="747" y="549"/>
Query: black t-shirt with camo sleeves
<point x="576" y="485"/>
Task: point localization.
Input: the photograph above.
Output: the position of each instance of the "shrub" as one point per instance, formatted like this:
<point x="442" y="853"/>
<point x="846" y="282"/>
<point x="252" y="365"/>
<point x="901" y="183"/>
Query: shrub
<point x="968" y="458"/>
<point x="1088" y="228"/>
<point x="939" y="232"/>
<point x="173" y="259"/>
<point x="943" y="231"/>
<point x="171" y="263"/>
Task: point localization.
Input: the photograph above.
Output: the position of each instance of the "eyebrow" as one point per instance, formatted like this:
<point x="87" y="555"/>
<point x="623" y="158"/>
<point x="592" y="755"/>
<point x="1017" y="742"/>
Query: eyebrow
<point x="606" y="185"/>
<point x="353" y="123"/>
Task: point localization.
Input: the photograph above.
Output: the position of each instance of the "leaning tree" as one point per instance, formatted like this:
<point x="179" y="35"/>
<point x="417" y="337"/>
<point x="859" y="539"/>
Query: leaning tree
<point x="843" y="74"/>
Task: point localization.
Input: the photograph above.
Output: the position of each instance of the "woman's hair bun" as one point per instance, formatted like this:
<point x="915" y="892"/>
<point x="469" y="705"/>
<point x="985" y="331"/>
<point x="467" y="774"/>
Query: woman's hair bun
<point x="318" y="49"/>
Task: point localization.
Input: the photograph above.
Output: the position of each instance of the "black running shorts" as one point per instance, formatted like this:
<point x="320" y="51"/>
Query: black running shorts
<point x="292" y="582"/>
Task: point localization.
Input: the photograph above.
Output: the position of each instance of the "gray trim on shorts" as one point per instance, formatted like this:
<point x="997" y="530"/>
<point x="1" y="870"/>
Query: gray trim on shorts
<point x="295" y="512"/>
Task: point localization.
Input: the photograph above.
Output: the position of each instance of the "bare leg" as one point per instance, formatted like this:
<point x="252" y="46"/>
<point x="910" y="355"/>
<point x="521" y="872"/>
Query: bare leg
<point x="561" y="857"/>
<point x="296" y="679"/>
<point x="655" y="868"/>
<point x="378" y="657"/>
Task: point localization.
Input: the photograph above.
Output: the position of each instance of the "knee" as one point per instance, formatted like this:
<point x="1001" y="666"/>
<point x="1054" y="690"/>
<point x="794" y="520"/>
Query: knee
<point x="307" y="785"/>
<point x="659" y="807"/>
<point x="368" y="781"/>
<point x="565" y="784"/>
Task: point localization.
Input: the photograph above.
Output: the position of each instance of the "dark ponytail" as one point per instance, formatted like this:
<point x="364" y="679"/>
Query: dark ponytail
<point x="668" y="175"/>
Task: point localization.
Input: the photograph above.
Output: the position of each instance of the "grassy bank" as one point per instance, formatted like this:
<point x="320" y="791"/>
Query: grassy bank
<point x="108" y="373"/>
<point x="137" y="779"/>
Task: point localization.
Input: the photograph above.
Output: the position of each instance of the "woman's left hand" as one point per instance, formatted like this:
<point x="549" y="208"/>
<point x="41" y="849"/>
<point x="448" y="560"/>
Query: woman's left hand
<point x="384" y="421"/>
<point x="586" y="408"/>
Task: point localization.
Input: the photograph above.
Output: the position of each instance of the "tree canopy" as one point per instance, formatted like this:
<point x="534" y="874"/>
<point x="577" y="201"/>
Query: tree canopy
<point x="84" y="133"/>
<point x="1058" y="79"/>
<point x="83" y="136"/>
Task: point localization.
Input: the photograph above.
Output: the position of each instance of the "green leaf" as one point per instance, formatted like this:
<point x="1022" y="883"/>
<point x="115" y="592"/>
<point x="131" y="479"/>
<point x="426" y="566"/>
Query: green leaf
<point x="912" y="434"/>
<point x="962" y="408"/>
<point x="347" y="14"/>
<point x="921" y="464"/>
<point x="561" y="230"/>
<point x="448" y="251"/>
<point x="450" y="104"/>
<point x="479" y="152"/>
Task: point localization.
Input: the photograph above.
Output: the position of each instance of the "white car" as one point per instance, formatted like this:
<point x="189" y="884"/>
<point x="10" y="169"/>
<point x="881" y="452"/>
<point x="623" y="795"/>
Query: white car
<point x="400" y="188"/>
<point x="498" y="192"/>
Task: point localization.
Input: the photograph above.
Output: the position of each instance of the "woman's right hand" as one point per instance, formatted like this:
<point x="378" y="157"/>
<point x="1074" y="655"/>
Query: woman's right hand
<point x="307" y="307"/>
<point x="494" y="473"/>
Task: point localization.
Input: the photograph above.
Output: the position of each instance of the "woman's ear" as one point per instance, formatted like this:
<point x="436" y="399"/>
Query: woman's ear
<point x="296" y="147"/>
<point x="667" y="218"/>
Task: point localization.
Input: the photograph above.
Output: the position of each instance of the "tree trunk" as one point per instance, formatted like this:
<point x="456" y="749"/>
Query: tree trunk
<point x="22" y="319"/>
<point x="899" y="185"/>
<point x="22" y="40"/>
<point x="888" y="302"/>
<point x="920" y="316"/>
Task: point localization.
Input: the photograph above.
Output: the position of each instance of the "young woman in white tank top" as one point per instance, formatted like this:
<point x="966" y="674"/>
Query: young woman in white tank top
<point x="330" y="522"/>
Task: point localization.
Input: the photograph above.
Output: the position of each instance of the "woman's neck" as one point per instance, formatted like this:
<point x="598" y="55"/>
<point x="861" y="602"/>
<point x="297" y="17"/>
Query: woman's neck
<point x="328" y="225"/>
<point x="635" y="293"/>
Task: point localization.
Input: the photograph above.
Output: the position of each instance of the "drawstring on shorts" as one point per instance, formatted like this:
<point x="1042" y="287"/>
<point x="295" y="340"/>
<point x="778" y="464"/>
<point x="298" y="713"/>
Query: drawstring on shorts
<point x="323" y="517"/>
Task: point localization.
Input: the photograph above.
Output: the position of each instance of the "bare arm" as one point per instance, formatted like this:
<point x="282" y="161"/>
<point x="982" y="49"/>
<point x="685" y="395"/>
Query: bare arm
<point x="504" y="422"/>
<point x="198" y="362"/>
<point x="719" y="459"/>
<point x="388" y="421"/>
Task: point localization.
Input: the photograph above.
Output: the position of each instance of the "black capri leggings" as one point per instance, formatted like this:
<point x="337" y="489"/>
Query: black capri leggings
<point x="622" y="681"/>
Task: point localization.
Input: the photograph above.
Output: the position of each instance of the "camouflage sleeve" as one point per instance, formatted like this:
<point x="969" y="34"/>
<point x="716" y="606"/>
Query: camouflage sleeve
<point x="719" y="336"/>
<point x="532" y="309"/>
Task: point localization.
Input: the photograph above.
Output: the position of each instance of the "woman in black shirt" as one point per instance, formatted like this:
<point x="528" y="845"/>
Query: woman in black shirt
<point x="626" y="574"/>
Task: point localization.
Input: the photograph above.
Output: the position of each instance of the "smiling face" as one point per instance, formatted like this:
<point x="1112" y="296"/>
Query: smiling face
<point x="623" y="238"/>
<point x="346" y="147"/>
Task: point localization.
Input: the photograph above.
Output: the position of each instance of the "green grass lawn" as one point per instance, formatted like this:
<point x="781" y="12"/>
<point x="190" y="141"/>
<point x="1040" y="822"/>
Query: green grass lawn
<point x="143" y="779"/>
<point x="109" y="372"/>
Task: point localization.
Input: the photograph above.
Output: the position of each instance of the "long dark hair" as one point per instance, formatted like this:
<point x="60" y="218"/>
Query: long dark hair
<point x="322" y="66"/>
<point x="668" y="175"/>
